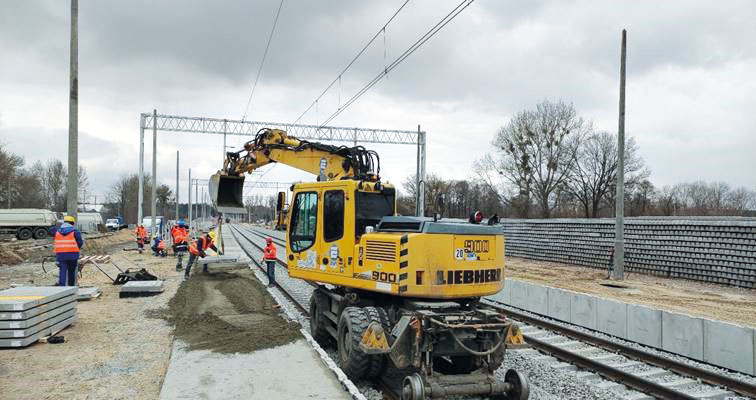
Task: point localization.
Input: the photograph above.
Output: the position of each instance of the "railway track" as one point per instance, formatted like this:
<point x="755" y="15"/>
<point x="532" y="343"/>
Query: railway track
<point x="653" y="375"/>
<point x="389" y="390"/>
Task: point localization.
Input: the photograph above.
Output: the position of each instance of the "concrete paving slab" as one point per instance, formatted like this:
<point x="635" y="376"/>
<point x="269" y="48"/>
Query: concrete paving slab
<point x="583" y="310"/>
<point x="519" y="294"/>
<point x="51" y="330"/>
<point x="537" y="299"/>
<point x="25" y="332"/>
<point x="142" y="287"/>
<point x="559" y="304"/>
<point x="644" y="325"/>
<point x="682" y="334"/>
<point x="26" y="297"/>
<point x="17" y="315"/>
<point x="219" y="259"/>
<point x="611" y="317"/>
<point x="88" y="293"/>
<point x="290" y="371"/>
<point x="27" y="323"/>
<point x="729" y="346"/>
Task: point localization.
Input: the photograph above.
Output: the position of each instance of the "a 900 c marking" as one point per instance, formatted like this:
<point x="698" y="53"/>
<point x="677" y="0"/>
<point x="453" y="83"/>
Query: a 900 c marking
<point x="384" y="277"/>
<point x="476" y="246"/>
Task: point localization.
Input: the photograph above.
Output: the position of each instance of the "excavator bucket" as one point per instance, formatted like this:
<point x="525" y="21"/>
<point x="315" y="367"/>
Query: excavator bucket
<point x="226" y="193"/>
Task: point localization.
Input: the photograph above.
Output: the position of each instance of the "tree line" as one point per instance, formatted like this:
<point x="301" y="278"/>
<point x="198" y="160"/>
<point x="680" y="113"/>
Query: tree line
<point x="550" y="162"/>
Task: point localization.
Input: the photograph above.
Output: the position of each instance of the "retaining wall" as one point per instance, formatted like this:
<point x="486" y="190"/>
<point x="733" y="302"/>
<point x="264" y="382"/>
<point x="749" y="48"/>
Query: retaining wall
<point x="715" y="342"/>
<point x="709" y="249"/>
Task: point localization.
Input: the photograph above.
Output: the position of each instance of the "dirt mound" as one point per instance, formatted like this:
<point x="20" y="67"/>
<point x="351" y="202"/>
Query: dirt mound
<point x="227" y="313"/>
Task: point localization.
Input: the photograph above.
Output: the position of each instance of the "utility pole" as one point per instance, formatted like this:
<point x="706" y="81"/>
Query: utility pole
<point x="189" y="212"/>
<point x="73" y="116"/>
<point x="177" y="185"/>
<point x="618" y="272"/>
<point x="153" y="195"/>
<point x="140" y="195"/>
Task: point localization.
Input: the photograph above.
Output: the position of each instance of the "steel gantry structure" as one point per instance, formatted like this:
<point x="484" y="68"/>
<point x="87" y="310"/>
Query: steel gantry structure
<point x="174" y="123"/>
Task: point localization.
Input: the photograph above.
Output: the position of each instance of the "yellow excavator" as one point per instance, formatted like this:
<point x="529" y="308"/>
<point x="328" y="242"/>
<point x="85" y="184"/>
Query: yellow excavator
<point x="392" y="289"/>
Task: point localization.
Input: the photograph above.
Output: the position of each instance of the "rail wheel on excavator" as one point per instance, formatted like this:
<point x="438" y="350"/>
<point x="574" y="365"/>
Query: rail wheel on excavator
<point x="393" y="290"/>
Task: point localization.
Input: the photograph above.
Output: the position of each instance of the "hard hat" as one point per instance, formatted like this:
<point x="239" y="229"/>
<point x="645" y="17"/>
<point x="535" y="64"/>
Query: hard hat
<point x="269" y="239"/>
<point x="69" y="218"/>
<point x="212" y="235"/>
<point x="181" y="222"/>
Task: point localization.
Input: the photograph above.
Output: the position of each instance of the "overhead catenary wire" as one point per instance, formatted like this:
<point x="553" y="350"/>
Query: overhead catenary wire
<point x="340" y="74"/>
<point x="262" y="62"/>
<point x="429" y="34"/>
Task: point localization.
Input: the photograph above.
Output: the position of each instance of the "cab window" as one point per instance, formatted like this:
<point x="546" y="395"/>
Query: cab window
<point x="333" y="215"/>
<point x="304" y="220"/>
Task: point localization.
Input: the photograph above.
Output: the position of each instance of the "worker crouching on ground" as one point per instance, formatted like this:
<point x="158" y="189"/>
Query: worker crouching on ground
<point x="197" y="249"/>
<point x="67" y="246"/>
<point x="269" y="257"/>
<point x="141" y="237"/>
<point x="158" y="246"/>
<point x="180" y="235"/>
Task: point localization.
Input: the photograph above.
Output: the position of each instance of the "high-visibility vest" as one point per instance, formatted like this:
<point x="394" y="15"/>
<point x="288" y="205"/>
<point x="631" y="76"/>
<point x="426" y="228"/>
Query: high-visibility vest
<point x="161" y="245"/>
<point x="203" y="242"/>
<point x="141" y="233"/>
<point x="269" y="253"/>
<point x="65" y="243"/>
<point x="179" y="235"/>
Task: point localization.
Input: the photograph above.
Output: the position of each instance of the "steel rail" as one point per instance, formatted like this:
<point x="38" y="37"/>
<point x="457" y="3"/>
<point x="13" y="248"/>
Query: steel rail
<point x="302" y="308"/>
<point x="704" y="375"/>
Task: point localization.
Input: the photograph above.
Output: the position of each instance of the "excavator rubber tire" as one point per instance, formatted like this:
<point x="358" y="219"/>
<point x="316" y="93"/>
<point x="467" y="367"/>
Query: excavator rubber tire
<point x="378" y="362"/>
<point x="352" y="324"/>
<point x="318" y="321"/>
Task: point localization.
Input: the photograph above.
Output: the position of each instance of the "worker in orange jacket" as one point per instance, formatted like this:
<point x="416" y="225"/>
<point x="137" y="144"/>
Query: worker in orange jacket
<point x="67" y="245"/>
<point x="180" y="235"/>
<point x="197" y="249"/>
<point x="269" y="257"/>
<point x="141" y="237"/>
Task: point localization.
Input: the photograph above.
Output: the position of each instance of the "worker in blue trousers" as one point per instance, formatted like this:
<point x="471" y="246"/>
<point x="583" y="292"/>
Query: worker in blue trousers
<point x="67" y="246"/>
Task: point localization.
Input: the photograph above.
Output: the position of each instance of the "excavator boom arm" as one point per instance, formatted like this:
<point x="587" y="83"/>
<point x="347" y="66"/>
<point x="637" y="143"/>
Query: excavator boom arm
<point x="274" y="145"/>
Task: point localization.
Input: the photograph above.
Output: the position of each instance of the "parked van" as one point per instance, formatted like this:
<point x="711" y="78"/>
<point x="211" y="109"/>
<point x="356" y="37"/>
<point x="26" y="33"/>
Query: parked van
<point x="26" y="223"/>
<point x="147" y="223"/>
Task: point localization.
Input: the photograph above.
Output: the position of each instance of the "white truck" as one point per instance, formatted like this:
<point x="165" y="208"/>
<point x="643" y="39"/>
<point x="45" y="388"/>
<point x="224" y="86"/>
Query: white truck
<point x="26" y="223"/>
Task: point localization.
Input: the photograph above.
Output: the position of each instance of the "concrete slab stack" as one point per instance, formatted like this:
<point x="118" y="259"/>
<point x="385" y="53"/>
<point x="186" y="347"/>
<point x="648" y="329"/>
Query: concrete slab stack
<point x="30" y="313"/>
<point x="709" y="249"/>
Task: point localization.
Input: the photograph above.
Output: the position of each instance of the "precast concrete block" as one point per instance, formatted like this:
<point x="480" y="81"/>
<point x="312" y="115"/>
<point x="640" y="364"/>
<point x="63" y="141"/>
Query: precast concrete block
<point x="559" y="304"/>
<point x="730" y="346"/>
<point x="19" y="315"/>
<point x="27" y="323"/>
<point x="611" y="317"/>
<point x="519" y="294"/>
<point x="26" y="297"/>
<point x="505" y="294"/>
<point x="583" y="310"/>
<point x="21" y="333"/>
<point x="142" y="287"/>
<point x="50" y="330"/>
<point x="537" y="298"/>
<point x="644" y="325"/>
<point x="682" y="334"/>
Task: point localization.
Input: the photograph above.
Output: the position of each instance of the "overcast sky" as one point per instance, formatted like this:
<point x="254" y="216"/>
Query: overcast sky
<point x="691" y="78"/>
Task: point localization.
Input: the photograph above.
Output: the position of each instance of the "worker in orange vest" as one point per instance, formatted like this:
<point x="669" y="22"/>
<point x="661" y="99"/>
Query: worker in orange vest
<point x="141" y="237"/>
<point x="269" y="257"/>
<point x="180" y="235"/>
<point x="67" y="245"/>
<point x="197" y="249"/>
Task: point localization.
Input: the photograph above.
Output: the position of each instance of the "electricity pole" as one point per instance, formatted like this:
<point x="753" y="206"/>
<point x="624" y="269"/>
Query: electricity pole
<point x="177" y="186"/>
<point x="72" y="200"/>
<point x="153" y="197"/>
<point x="618" y="272"/>
<point x="189" y="212"/>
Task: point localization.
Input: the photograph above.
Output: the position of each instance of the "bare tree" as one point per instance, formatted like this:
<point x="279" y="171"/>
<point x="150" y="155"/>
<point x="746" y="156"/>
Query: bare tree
<point x="535" y="153"/>
<point x="593" y="176"/>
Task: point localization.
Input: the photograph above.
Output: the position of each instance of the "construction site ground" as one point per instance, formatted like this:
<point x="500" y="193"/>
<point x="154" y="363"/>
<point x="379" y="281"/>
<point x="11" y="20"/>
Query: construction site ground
<point x="230" y="339"/>
<point x="713" y="301"/>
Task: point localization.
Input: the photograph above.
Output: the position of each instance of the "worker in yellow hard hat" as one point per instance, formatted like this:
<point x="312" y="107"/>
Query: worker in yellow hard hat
<point x="67" y="246"/>
<point x="197" y="249"/>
